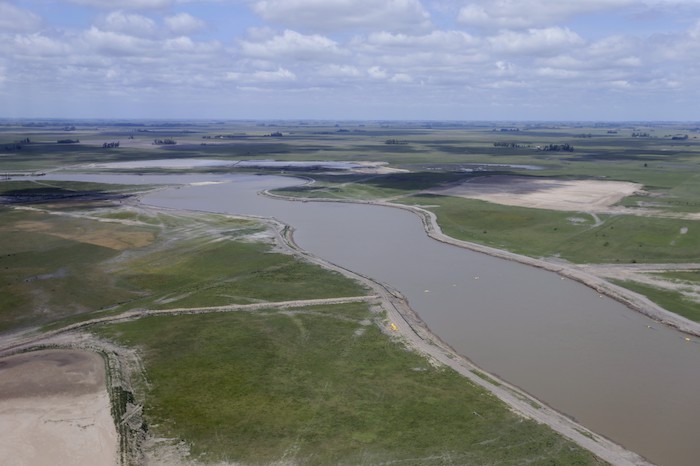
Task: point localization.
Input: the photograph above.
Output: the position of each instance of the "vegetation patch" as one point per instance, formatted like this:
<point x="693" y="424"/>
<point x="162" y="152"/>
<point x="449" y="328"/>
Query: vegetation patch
<point x="261" y="387"/>
<point x="670" y="300"/>
<point x="547" y="233"/>
<point x="64" y="267"/>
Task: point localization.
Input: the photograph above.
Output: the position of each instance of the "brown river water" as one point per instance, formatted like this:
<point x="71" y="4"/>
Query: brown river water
<point x="615" y="371"/>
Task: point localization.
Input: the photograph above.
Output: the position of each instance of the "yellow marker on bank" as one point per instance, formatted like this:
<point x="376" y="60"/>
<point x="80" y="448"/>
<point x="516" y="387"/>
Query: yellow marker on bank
<point x="394" y="327"/>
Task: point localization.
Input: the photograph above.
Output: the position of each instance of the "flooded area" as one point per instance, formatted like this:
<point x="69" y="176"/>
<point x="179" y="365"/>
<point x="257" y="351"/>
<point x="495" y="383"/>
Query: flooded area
<point x="614" y="370"/>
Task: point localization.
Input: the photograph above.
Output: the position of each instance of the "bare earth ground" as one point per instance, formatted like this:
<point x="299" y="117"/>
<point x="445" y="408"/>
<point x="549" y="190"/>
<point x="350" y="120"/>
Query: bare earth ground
<point x="591" y="196"/>
<point x="569" y="195"/>
<point x="54" y="409"/>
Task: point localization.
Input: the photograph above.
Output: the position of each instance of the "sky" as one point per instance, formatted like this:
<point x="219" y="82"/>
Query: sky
<point x="466" y="60"/>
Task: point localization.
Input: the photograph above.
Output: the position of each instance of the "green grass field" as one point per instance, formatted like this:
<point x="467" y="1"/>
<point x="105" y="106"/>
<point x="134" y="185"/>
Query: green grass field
<point x="321" y="386"/>
<point x="53" y="266"/>
<point x="569" y="235"/>
<point x="75" y="266"/>
<point x="674" y="301"/>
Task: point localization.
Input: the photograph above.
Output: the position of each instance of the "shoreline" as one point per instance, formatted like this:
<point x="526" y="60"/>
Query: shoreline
<point x="575" y="272"/>
<point x="416" y="335"/>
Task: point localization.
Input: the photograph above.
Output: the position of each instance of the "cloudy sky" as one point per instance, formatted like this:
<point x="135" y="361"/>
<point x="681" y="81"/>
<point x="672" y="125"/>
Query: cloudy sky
<point x="351" y="59"/>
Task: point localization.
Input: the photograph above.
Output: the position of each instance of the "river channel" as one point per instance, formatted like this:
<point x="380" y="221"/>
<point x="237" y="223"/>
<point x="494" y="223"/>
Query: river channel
<point x="615" y="371"/>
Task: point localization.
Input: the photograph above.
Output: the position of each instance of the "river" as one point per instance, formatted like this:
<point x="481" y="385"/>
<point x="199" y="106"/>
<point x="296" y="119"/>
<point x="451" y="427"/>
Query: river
<point x="615" y="371"/>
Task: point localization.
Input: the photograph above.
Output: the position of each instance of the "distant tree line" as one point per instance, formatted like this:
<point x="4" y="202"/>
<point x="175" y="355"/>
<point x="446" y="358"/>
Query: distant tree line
<point x="110" y="145"/>
<point x="68" y="141"/>
<point x="510" y="145"/>
<point x="276" y="134"/>
<point x="556" y="148"/>
<point x="395" y="141"/>
<point x="16" y="145"/>
<point x="680" y="138"/>
<point x="225" y="136"/>
<point x="164" y="142"/>
<point x="640" y="135"/>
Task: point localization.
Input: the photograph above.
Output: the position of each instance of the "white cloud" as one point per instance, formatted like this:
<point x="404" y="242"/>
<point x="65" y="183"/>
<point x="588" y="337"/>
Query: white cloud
<point x="376" y="72"/>
<point x="335" y="15"/>
<point x="129" y="23"/>
<point x="116" y="43"/>
<point x="14" y="19"/>
<point x="340" y="71"/>
<point x="629" y="62"/>
<point x="536" y="41"/>
<point x="401" y="78"/>
<point x="281" y="74"/>
<point x="37" y="45"/>
<point x="184" y="23"/>
<point x="504" y="68"/>
<point x="366" y="52"/>
<point x="291" y="45"/>
<point x="184" y="44"/>
<point x="557" y="73"/>
<point x="126" y="4"/>
<point x="506" y="84"/>
<point x="620" y="84"/>
<point x="694" y="32"/>
<point x="519" y="14"/>
<point x="437" y="40"/>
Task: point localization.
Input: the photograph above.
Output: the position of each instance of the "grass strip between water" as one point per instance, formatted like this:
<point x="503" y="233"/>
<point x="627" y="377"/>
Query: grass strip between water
<point x="321" y="386"/>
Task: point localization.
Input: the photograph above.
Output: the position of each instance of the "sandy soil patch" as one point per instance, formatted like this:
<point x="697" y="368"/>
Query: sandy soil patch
<point x="54" y="409"/>
<point x="542" y="193"/>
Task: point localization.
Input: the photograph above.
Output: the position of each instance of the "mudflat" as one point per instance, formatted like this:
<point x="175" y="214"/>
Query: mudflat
<point x="54" y="409"/>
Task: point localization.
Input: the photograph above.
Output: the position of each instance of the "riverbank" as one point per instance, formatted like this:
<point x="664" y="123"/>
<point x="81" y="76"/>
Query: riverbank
<point x="402" y="320"/>
<point x="629" y="298"/>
